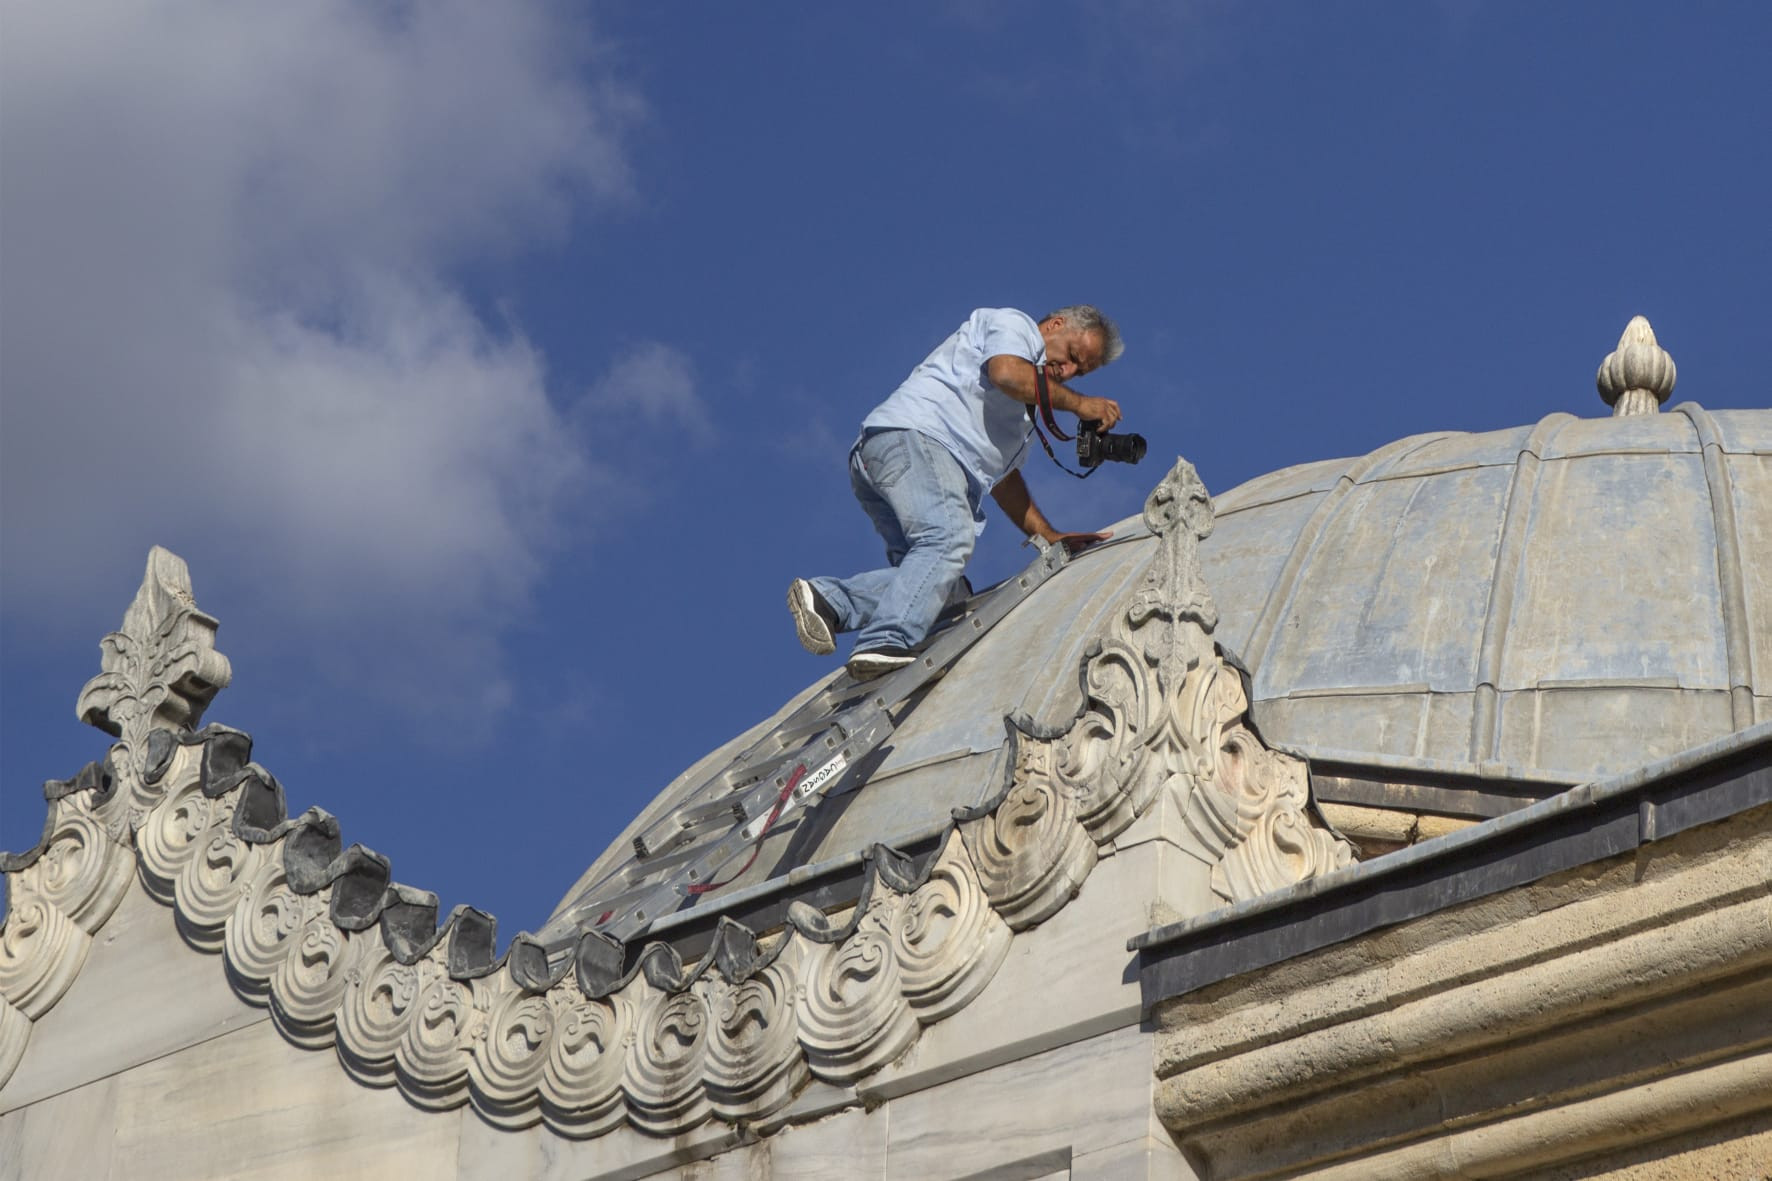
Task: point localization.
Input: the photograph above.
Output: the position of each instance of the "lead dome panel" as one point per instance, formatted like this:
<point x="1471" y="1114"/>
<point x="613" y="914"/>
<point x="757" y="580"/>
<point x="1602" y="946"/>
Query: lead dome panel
<point x="1584" y="574"/>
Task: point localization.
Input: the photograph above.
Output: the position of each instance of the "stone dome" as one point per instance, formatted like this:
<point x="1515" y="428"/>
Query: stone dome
<point x="1533" y="606"/>
<point x="1558" y="601"/>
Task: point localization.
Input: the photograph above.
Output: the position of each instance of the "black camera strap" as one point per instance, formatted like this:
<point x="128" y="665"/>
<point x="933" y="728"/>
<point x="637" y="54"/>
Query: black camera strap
<point x="1043" y="396"/>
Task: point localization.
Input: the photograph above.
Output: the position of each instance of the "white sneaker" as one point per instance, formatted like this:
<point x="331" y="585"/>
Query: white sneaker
<point x="877" y="662"/>
<point x="814" y="621"/>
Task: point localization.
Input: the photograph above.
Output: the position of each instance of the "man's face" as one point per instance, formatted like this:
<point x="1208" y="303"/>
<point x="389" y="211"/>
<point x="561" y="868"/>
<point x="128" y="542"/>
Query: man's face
<point x="1070" y="352"/>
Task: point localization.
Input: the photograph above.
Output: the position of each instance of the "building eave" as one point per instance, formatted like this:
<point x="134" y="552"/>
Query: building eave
<point x="1585" y="824"/>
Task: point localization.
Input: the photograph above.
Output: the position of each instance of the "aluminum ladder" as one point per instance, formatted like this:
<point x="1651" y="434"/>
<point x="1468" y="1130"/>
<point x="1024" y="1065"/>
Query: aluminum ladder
<point x="793" y="766"/>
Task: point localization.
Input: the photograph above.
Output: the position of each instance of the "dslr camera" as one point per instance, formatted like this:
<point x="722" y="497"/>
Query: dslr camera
<point x="1095" y="445"/>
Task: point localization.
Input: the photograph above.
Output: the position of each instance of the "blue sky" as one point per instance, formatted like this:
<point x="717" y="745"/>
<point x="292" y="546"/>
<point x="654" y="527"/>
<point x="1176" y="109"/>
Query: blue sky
<point x="493" y="366"/>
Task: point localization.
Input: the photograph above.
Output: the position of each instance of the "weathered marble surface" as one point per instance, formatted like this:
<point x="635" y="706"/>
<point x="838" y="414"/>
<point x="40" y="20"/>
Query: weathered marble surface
<point x="246" y="1105"/>
<point x="1082" y="1111"/>
<point x="70" y="1134"/>
<point x="1594" y="1011"/>
<point x="141" y="995"/>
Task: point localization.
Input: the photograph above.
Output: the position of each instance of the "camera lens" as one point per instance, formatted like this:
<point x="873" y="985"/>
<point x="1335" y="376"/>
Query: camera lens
<point x="1095" y="446"/>
<point x="1122" y="448"/>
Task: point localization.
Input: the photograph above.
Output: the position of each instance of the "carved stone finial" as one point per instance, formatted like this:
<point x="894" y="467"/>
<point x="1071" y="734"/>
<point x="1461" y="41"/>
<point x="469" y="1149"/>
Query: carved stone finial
<point x="1638" y="376"/>
<point x="161" y="670"/>
<point x="1163" y="712"/>
<point x="1179" y="512"/>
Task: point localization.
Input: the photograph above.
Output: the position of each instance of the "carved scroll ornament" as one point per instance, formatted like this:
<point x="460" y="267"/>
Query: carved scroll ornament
<point x="664" y="1048"/>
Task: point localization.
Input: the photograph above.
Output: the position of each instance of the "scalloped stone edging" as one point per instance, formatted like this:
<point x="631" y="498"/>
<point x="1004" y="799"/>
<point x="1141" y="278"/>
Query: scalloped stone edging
<point x="342" y="956"/>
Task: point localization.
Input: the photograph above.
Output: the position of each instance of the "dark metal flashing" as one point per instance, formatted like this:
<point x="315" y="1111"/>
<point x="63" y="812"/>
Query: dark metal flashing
<point x="1582" y="825"/>
<point x="1442" y="793"/>
<point x="93" y="777"/>
<point x="838" y="887"/>
<point x="364" y="894"/>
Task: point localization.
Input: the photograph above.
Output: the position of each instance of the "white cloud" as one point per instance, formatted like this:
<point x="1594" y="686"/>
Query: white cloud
<point x="651" y="385"/>
<point x="227" y="322"/>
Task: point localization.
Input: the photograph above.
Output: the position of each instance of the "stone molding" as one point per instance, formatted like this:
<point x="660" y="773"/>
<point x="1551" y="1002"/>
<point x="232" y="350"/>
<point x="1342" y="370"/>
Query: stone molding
<point x="1599" y="1009"/>
<point x="344" y="957"/>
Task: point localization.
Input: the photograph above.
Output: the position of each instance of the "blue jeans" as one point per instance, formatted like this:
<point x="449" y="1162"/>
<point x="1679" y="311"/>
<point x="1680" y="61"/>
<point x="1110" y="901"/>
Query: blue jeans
<point x="917" y="495"/>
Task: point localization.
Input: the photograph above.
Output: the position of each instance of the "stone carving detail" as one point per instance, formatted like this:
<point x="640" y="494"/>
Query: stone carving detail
<point x="41" y="952"/>
<point x="947" y="939"/>
<point x="1163" y="642"/>
<point x="1097" y="763"/>
<point x="1032" y="853"/>
<point x="209" y="887"/>
<point x="309" y="982"/>
<point x="1142" y="728"/>
<point x="267" y="917"/>
<point x="665" y="1062"/>
<point x="169" y="834"/>
<point x="510" y="1059"/>
<point x="581" y="1083"/>
<point x="734" y="1037"/>
<point x="755" y="1063"/>
<point x="1275" y="844"/>
<point x="380" y="1000"/>
<point x="81" y="872"/>
<point x="1637" y="376"/>
<point x="435" y="1056"/>
<point x="161" y="671"/>
<point x="1173" y="594"/>
<point x="55" y="905"/>
<point x="1162" y="712"/>
<point x="853" y="1017"/>
<point x="1217" y="810"/>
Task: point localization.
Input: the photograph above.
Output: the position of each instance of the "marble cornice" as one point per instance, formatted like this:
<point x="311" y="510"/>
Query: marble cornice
<point x="1612" y="1004"/>
<point x="344" y="957"/>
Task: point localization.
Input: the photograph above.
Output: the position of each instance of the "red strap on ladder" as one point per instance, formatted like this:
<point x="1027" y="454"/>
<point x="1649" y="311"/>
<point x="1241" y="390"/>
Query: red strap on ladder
<point x="774" y="813"/>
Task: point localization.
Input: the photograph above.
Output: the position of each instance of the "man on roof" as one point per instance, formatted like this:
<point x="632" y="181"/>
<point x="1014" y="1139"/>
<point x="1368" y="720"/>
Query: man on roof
<point x="957" y="427"/>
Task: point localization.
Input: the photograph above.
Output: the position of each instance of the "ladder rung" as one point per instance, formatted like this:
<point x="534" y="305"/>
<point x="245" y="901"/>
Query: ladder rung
<point x="660" y="890"/>
<point x="788" y="736"/>
<point x="683" y="826"/>
<point x="778" y="764"/>
<point x="643" y="872"/>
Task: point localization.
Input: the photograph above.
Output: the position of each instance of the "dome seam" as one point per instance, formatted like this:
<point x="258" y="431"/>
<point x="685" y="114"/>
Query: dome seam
<point x="1510" y="557"/>
<point x="1731" y="578"/>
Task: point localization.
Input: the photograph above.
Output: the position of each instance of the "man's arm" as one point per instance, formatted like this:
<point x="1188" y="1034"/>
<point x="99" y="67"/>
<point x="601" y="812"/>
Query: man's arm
<point x="1012" y="496"/>
<point x="1015" y="376"/>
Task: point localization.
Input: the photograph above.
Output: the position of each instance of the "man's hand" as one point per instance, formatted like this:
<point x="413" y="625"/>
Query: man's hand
<point x="1106" y="411"/>
<point x="1078" y="542"/>
<point x="1011" y="495"/>
<point x="1015" y="377"/>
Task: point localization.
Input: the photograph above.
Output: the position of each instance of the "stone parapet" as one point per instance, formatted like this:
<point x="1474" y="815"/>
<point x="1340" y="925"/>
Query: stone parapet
<point x="1603" y="1007"/>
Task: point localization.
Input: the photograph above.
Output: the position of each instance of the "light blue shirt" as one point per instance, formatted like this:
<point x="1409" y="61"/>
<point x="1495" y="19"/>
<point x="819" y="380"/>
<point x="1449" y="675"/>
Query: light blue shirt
<point x="949" y="398"/>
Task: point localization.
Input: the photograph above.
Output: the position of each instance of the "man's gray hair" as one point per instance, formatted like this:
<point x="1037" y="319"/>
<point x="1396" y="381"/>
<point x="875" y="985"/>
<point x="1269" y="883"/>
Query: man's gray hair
<point x="1089" y="318"/>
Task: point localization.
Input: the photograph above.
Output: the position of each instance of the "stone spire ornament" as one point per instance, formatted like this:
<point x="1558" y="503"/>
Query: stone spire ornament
<point x="1163" y="712"/>
<point x="161" y="671"/>
<point x="1637" y="376"/>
